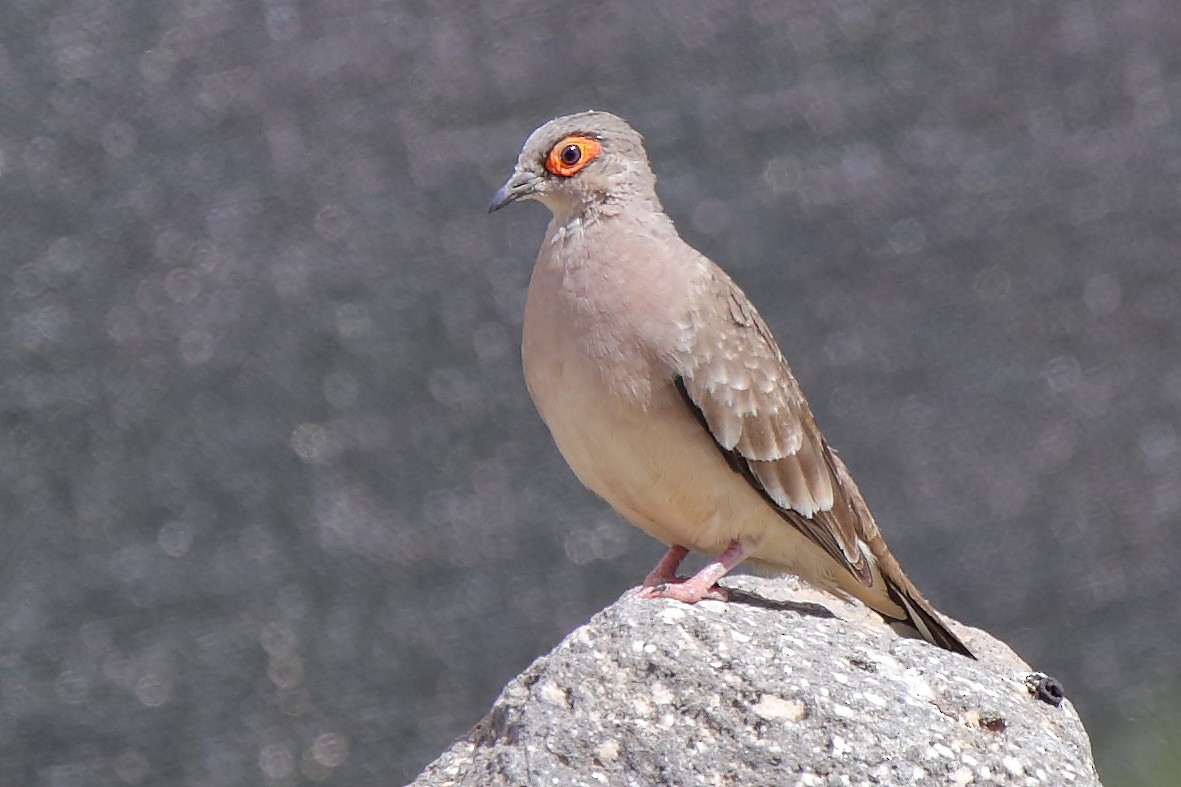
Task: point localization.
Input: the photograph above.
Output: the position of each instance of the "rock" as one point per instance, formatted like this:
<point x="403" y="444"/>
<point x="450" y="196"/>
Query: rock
<point x="782" y="685"/>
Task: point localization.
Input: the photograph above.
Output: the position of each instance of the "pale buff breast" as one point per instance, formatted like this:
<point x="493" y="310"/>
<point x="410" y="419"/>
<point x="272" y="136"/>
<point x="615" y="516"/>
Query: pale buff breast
<point x="619" y="422"/>
<point x="664" y="474"/>
<point x="656" y="465"/>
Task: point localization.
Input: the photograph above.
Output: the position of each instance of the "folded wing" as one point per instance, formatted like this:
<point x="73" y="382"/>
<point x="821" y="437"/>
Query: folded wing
<point x="732" y="374"/>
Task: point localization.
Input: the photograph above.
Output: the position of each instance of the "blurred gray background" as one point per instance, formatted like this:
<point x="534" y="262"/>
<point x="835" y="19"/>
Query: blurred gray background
<point x="275" y="505"/>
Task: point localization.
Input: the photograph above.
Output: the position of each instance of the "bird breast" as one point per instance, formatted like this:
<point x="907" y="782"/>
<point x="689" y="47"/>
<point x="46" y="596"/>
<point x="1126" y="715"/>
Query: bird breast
<point x="593" y="319"/>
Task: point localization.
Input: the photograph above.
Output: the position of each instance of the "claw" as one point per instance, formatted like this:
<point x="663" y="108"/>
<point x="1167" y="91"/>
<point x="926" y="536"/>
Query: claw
<point x="685" y="592"/>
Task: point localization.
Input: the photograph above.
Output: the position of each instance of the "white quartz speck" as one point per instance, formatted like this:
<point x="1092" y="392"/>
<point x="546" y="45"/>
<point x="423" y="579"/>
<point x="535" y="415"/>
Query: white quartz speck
<point x="608" y="750"/>
<point x="772" y="708"/>
<point x="552" y="694"/>
<point x="962" y="777"/>
<point x="661" y="695"/>
<point x="875" y="699"/>
<point x="672" y="614"/>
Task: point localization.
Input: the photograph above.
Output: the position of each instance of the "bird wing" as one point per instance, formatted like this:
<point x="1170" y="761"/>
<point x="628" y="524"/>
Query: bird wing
<point x="732" y="374"/>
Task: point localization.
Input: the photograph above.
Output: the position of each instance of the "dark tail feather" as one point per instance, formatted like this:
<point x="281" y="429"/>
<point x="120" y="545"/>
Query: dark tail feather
<point x="923" y="619"/>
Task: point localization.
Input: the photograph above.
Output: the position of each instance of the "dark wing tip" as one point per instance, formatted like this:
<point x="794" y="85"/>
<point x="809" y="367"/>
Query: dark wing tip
<point x="927" y="623"/>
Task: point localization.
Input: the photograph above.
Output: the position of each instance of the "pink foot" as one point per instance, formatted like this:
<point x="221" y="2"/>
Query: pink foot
<point x="684" y="591"/>
<point x="663" y="581"/>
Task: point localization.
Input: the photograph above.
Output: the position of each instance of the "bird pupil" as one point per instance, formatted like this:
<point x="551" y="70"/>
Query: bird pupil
<point x="570" y="155"/>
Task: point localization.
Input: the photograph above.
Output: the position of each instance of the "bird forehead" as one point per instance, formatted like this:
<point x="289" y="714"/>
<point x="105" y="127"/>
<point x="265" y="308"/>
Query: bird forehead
<point x="602" y="126"/>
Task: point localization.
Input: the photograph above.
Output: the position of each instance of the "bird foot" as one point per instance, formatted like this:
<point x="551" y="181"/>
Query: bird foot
<point x="663" y="582"/>
<point x="685" y="590"/>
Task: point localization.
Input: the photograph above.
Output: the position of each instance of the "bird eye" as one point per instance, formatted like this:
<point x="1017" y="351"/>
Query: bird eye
<point x="572" y="154"/>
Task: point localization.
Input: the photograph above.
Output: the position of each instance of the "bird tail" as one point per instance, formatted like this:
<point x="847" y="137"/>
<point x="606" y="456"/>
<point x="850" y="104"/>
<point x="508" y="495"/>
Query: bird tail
<point x="923" y="619"/>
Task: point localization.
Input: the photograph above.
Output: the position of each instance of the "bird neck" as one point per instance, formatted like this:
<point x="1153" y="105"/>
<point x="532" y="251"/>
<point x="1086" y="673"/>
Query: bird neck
<point x="642" y="213"/>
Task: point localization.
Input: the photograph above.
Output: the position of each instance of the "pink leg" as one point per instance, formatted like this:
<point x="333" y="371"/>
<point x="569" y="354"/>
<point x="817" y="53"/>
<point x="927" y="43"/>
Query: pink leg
<point x="703" y="584"/>
<point x="665" y="572"/>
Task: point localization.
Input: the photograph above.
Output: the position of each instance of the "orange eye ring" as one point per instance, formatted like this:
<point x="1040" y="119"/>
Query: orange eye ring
<point x="568" y="157"/>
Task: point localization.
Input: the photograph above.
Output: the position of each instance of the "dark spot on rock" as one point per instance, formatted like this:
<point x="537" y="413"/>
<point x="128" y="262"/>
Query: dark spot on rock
<point x="867" y="666"/>
<point x="993" y="723"/>
<point x="1047" y="689"/>
<point x="496" y="726"/>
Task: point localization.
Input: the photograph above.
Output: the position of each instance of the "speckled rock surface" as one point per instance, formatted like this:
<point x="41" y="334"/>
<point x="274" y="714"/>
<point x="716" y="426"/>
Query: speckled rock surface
<point x="781" y="686"/>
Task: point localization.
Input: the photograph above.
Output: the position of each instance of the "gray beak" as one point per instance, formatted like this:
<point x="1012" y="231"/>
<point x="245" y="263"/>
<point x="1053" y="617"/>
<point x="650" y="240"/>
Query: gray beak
<point x="519" y="185"/>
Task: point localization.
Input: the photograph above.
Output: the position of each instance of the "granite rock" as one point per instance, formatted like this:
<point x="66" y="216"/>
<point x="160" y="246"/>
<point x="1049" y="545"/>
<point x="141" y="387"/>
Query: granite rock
<point x="782" y="685"/>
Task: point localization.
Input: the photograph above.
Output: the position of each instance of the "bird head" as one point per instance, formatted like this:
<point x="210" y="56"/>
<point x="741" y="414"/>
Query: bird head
<point x="579" y="163"/>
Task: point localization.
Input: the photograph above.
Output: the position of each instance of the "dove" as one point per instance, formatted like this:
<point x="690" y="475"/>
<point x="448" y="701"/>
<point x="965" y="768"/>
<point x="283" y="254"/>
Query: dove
<point x="668" y="397"/>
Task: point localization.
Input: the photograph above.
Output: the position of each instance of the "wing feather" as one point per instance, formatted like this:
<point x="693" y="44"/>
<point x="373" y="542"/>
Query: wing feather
<point x="731" y="372"/>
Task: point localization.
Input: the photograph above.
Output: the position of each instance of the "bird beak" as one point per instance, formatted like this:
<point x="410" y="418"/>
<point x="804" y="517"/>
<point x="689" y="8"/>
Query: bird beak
<point x="521" y="184"/>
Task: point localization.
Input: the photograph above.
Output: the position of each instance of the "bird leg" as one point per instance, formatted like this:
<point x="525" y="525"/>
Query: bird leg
<point x="703" y="584"/>
<point x="665" y="572"/>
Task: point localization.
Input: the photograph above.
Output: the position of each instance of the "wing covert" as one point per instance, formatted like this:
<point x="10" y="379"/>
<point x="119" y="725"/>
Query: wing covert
<point x="732" y="374"/>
